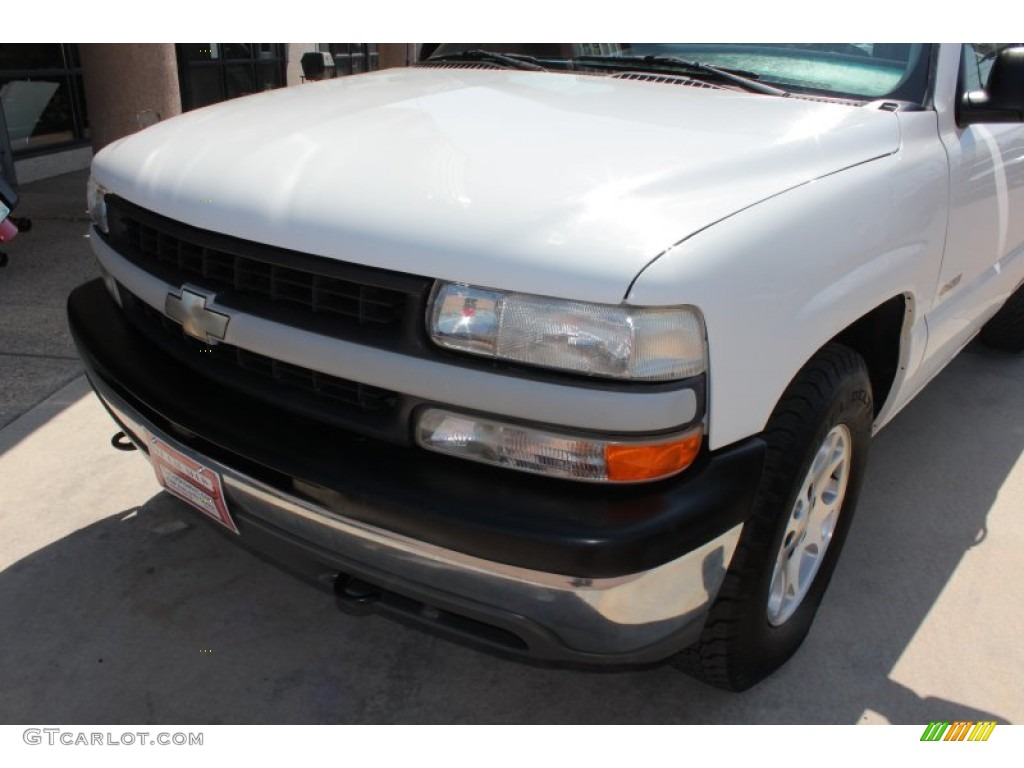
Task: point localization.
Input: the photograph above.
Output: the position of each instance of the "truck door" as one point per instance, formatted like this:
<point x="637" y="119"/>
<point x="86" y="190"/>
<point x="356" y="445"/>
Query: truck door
<point x="984" y="255"/>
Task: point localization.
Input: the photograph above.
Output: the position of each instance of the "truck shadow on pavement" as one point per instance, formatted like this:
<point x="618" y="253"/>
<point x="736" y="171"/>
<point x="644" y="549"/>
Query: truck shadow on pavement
<point x="149" y="616"/>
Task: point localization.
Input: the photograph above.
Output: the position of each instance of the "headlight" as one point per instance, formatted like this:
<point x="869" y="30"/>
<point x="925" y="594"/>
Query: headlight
<point x="610" y="340"/>
<point x="97" y="205"/>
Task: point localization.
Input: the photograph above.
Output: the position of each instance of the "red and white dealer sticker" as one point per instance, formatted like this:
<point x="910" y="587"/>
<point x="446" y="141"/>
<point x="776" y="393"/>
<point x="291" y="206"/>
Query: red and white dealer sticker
<point x="191" y="482"/>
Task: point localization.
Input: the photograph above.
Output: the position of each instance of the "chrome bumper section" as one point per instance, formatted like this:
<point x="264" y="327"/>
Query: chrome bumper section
<point x="637" y="617"/>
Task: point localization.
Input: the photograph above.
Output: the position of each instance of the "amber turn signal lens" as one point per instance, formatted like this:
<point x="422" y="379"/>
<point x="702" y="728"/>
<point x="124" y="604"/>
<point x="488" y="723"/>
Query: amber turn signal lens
<point x="555" y="454"/>
<point x="648" y="462"/>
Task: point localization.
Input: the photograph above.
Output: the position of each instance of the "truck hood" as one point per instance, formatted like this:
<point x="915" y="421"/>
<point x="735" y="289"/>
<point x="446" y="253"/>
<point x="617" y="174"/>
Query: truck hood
<point x="547" y="183"/>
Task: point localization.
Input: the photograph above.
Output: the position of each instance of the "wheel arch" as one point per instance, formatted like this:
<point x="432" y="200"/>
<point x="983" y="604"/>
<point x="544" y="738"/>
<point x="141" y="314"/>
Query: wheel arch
<point x="881" y="337"/>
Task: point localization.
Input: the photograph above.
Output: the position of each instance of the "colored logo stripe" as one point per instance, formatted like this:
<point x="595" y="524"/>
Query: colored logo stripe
<point x="982" y="730"/>
<point x="960" y="730"/>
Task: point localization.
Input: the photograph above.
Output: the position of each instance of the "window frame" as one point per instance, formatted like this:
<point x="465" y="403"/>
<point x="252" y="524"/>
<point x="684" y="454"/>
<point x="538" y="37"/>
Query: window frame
<point x="258" y="56"/>
<point x="70" y="76"/>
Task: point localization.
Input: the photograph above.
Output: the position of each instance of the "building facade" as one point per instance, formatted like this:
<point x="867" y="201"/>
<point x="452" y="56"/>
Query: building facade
<point x="60" y="102"/>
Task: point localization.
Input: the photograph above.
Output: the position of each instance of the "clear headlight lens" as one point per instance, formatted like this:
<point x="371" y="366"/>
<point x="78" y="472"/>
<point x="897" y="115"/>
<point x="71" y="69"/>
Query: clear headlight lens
<point x="557" y="455"/>
<point x="97" y="206"/>
<point x="614" y="341"/>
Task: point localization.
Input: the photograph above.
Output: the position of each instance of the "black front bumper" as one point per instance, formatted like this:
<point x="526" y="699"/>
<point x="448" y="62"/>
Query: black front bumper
<point x="588" y="533"/>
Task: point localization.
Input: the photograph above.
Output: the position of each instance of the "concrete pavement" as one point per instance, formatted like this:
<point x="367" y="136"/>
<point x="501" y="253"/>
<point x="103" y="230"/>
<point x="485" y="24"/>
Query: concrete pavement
<point x="36" y="353"/>
<point x="119" y="605"/>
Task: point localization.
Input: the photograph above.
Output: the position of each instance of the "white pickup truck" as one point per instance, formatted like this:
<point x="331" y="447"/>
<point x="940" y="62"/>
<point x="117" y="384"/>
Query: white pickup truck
<point x="575" y="351"/>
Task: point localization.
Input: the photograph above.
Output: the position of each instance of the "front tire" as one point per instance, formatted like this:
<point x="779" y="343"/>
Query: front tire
<point x="1005" y="330"/>
<point x="817" y="439"/>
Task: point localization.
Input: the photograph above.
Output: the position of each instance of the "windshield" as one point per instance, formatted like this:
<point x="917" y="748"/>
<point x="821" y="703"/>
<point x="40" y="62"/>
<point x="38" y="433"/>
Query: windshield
<point x="861" y="71"/>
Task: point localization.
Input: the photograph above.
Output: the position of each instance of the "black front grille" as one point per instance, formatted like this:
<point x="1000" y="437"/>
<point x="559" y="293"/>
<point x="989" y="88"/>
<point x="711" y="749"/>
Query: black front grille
<point x="363" y="304"/>
<point x="221" y="270"/>
<point x="362" y="396"/>
<point x="349" y="404"/>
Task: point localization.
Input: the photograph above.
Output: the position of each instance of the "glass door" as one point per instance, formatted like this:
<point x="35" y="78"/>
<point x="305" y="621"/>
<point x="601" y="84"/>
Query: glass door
<point x="6" y="156"/>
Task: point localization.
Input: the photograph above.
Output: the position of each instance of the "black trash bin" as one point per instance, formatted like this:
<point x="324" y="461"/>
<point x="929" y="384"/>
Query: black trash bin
<point x="317" y="65"/>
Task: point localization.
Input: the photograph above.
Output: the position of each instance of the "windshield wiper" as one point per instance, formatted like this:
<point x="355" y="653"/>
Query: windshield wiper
<point x="745" y="80"/>
<point x="513" y="60"/>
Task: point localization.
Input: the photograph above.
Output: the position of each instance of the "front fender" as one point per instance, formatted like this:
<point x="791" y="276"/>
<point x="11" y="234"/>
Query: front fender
<point x="778" y="280"/>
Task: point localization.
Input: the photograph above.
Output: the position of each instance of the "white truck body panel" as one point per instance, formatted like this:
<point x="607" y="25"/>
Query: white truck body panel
<point x="835" y="253"/>
<point x="560" y="209"/>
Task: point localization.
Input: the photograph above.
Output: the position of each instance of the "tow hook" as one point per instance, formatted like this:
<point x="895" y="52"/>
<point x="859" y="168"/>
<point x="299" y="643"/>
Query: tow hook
<point x="122" y="442"/>
<point x="355" y="595"/>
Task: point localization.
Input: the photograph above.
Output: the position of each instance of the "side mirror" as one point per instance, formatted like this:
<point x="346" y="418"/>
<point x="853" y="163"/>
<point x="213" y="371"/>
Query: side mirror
<point x="1002" y="101"/>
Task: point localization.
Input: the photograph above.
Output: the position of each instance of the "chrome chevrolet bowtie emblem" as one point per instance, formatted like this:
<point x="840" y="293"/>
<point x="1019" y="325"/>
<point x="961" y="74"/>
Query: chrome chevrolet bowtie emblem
<point x="196" y="320"/>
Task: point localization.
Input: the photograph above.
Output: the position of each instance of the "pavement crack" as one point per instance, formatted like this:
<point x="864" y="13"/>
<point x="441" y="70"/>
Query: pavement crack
<point x="39" y="356"/>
